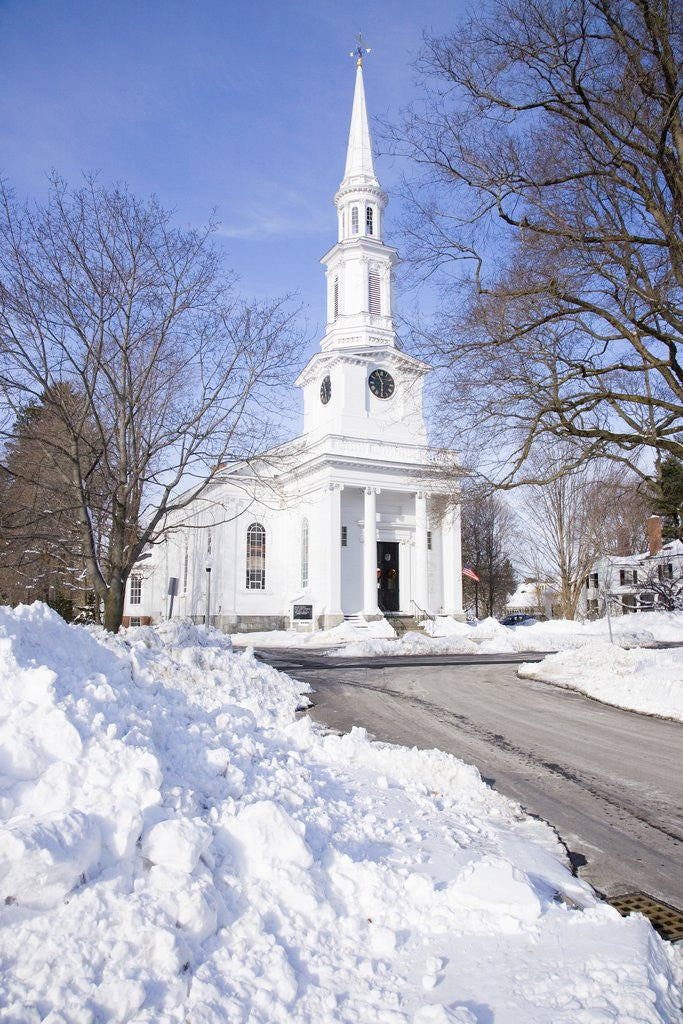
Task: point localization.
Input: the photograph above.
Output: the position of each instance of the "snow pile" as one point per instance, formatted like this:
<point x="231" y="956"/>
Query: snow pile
<point x="410" y="643"/>
<point x="345" y="632"/>
<point x="176" y="846"/>
<point x="638" y="680"/>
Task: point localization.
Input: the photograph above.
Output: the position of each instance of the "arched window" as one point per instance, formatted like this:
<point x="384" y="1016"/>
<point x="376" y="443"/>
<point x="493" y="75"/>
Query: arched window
<point x="304" y="553"/>
<point x="256" y="557"/>
<point x="354" y="220"/>
<point x="368" y="220"/>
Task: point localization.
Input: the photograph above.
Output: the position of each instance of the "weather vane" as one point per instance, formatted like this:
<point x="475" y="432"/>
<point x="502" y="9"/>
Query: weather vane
<point x="361" y="48"/>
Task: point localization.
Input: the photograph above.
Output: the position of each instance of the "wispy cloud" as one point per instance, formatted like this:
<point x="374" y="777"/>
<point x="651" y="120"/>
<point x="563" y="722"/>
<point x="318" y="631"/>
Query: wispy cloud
<point x="277" y="211"/>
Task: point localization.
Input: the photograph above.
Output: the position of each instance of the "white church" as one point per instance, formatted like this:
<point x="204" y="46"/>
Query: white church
<point x="358" y="515"/>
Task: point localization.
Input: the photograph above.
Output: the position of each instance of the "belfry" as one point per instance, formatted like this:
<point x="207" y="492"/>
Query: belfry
<point x="358" y="515"/>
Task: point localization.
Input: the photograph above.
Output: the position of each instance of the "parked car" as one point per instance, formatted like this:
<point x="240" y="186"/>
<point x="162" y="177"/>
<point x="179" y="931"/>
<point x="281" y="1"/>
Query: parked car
<point x="519" y="619"/>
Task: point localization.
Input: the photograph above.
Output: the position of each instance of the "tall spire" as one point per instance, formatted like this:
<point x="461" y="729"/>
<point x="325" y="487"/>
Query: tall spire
<point x="360" y="169"/>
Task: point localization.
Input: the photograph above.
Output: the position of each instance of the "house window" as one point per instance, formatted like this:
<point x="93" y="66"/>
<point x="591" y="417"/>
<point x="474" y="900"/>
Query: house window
<point x="135" y="620"/>
<point x="628" y="603"/>
<point x="256" y="557"/>
<point x="627" y="576"/>
<point x="374" y="303"/>
<point x="336" y="297"/>
<point x="592" y="606"/>
<point x="135" y="589"/>
<point x="354" y="220"/>
<point x="593" y="578"/>
<point x="368" y="220"/>
<point x="344" y="537"/>
<point x="665" y="572"/>
<point x="304" y="552"/>
<point x="429" y="540"/>
<point x="647" y="601"/>
<point x="208" y="543"/>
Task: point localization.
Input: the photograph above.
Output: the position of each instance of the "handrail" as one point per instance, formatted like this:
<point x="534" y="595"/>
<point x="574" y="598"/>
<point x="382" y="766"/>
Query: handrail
<point x="420" y="615"/>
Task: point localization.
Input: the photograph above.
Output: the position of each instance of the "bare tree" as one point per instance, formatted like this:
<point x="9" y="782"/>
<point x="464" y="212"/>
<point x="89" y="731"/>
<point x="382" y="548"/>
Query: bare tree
<point x="550" y="196"/>
<point x="488" y="531"/>
<point x="127" y="330"/>
<point x="572" y="521"/>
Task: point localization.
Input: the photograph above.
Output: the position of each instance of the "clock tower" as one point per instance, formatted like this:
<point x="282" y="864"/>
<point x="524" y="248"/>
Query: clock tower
<point x="361" y="384"/>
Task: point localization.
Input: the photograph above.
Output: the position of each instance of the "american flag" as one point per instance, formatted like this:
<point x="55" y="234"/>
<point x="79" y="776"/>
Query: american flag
<point x="471" y="575"/>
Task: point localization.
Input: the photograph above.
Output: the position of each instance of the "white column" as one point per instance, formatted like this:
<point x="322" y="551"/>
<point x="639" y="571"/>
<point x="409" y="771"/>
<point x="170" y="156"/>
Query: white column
<point x="334" y="548"/>
<point x="452" y="562"/>
<point x="421" y="564"/>
<point x="370" y="551"/>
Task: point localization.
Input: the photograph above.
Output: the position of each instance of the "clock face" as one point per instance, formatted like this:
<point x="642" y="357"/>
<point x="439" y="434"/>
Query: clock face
<point x="381" y="383"/>
<point x="326" y="390"/>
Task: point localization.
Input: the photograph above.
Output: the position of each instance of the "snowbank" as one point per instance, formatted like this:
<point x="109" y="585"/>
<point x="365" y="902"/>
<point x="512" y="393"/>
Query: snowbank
<point x="446" y="636"/>
<point x="176" y="846"/>
<point x="345" y="632"/>
<point x="410" y="643"/>
<point x="638" y="680"/>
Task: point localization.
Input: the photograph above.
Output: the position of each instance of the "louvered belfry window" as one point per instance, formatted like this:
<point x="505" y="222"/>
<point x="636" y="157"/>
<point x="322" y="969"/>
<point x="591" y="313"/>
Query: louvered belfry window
<point x="374" y="304"/>
<point x="256" y="557"/>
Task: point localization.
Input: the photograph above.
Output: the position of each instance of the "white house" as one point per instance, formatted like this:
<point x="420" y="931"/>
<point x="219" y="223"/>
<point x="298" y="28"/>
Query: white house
<point x="359" y="514"/>
<point x="635" y="581"/>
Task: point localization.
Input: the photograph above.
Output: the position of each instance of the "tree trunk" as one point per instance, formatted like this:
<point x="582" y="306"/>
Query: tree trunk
<point x="113" y="606"/>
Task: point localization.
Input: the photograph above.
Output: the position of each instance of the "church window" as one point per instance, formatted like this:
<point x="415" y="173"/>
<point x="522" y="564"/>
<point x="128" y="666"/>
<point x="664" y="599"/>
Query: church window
<point x="304" y="552"/>
<point x="344" y="536"/>
<point x="368" y="220"/>
<point x="336" y="297"/>
<point x="354" y="220"/>
<point x="256" y="557"/>
<point x="135" y="589"/>
<point x="374" y="303"/>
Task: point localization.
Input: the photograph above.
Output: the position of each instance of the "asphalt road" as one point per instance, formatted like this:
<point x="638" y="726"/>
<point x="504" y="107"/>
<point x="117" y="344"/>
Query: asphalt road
<point x="609" y="781"/>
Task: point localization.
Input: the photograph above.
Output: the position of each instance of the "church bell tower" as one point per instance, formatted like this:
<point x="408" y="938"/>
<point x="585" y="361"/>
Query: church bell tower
<point x="361" y="384"/>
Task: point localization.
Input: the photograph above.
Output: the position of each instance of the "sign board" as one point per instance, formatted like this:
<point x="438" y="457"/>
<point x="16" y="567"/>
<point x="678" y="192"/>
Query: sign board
<point x="302" y="612"/>
<point x="172" y="586"/>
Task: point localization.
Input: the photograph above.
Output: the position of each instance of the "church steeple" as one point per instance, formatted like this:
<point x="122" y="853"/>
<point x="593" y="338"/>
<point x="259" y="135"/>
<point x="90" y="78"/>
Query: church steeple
<point x="360" y="169"/>
<point x="361" y="385"/>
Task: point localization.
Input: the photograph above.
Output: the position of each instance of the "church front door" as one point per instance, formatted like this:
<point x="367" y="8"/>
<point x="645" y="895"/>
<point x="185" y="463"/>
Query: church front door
<point x="387" y="576"/>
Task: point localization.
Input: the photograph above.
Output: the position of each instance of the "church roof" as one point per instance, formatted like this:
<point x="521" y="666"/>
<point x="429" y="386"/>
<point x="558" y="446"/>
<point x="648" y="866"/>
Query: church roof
<point x="360" y="168"/>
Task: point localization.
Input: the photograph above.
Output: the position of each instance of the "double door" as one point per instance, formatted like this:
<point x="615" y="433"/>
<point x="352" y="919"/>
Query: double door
<point x="387" y="576"/>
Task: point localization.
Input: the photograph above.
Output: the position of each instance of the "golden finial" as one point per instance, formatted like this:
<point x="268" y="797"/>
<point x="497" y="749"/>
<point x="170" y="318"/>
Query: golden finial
<point x="361" y="48"/>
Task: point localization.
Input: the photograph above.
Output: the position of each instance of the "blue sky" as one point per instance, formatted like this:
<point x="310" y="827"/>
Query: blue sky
<point x="241" y="108"/>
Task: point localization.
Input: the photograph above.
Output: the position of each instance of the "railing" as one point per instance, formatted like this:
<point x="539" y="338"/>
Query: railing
<point x="420" y="615"/>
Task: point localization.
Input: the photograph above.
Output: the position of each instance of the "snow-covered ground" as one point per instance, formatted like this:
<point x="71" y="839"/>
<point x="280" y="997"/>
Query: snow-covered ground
<point x="638" y="680"/>
<point x="487" y="637"/>
<point x="341" y="634"/>
<point x="177" y="846"/>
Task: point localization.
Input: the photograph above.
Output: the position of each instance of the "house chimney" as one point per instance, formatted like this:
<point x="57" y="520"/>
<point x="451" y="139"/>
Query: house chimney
<point x="623" y="545"/>
<point x="654" y="533"/>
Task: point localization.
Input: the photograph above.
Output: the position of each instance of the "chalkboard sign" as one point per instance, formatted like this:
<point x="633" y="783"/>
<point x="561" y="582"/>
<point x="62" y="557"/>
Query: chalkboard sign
<point x="302" y="612"/>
